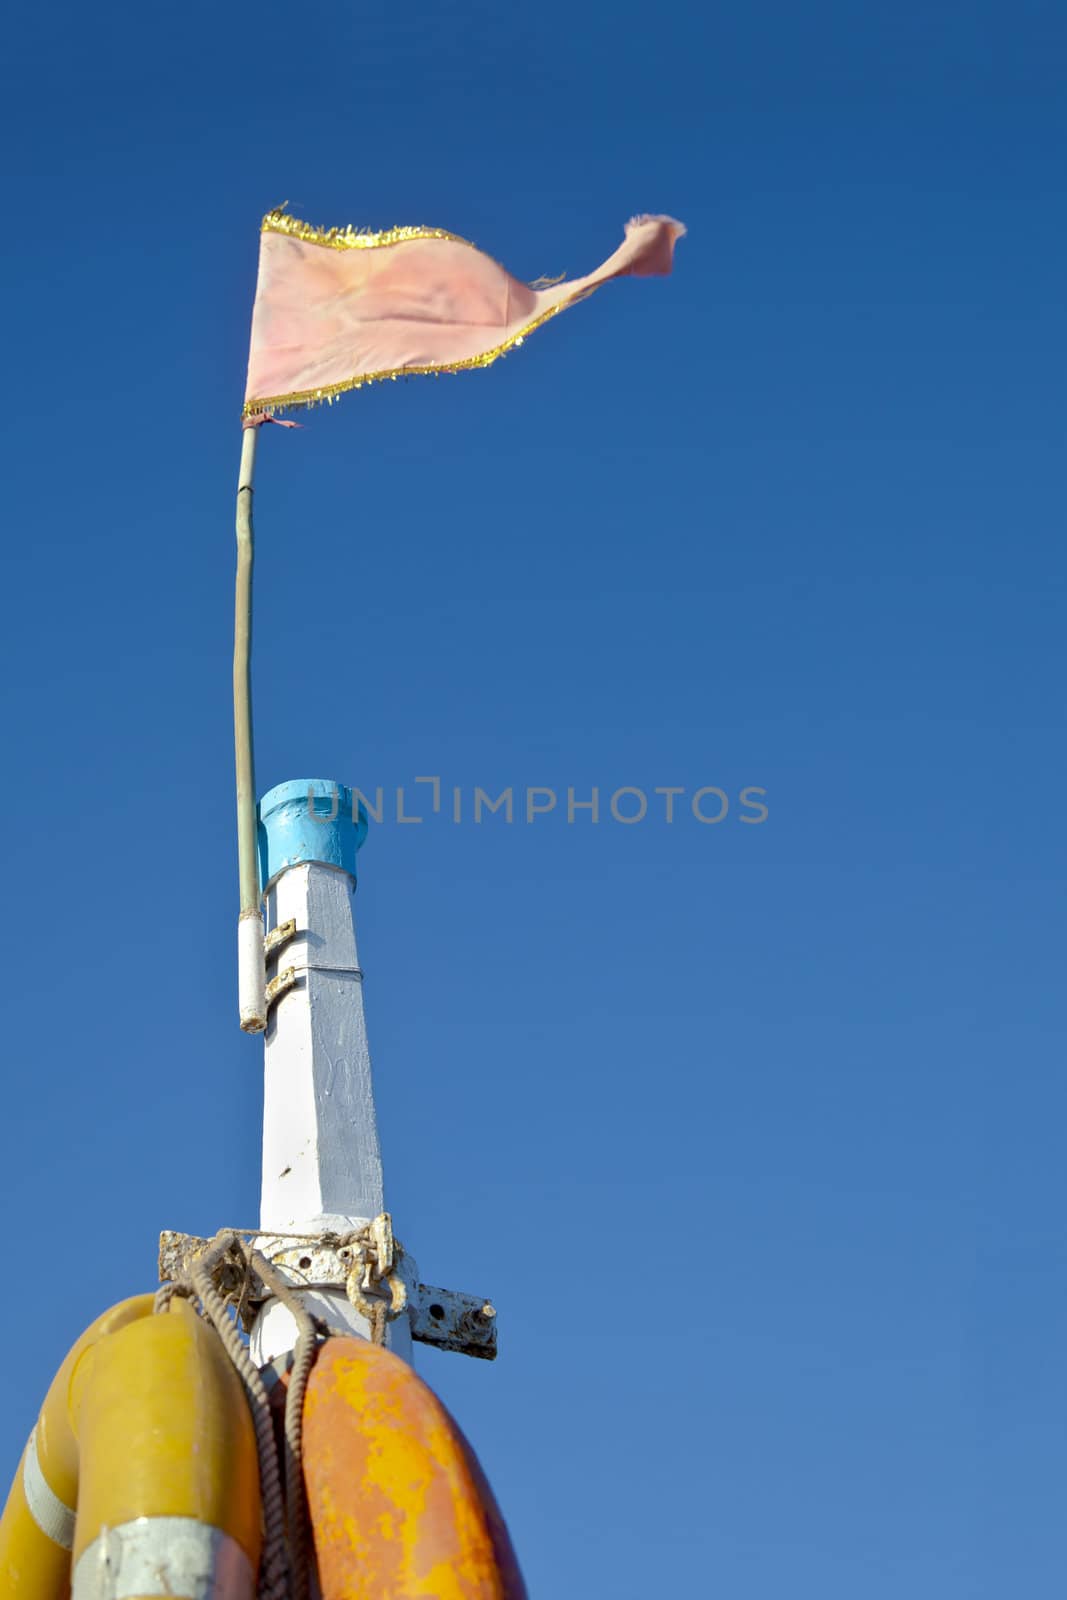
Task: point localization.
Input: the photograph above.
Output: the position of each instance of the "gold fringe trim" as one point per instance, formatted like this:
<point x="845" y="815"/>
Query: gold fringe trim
<point x="349" y="238"/>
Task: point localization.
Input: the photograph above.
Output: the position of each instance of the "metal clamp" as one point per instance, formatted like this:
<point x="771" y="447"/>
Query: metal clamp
<point x="446" y="1318"/>
<point x="279" y="936"/>
<point x="278" y="986"/>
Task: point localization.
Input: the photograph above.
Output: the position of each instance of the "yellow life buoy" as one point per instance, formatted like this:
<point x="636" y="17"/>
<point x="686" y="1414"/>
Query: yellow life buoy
<point x="140" y="1477"/>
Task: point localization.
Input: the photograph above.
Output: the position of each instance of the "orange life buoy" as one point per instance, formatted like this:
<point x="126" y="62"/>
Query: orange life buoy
<point x="399" y="1507"/>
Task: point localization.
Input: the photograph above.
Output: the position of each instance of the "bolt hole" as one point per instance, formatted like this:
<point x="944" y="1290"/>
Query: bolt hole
<point x="437" y="1313"/>
<point x="305" y="1261"/>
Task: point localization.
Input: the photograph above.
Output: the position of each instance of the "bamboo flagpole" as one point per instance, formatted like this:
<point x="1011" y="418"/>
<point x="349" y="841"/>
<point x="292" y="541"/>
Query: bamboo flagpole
<point x="251" y="964"/>
<point x="335" y="309"/>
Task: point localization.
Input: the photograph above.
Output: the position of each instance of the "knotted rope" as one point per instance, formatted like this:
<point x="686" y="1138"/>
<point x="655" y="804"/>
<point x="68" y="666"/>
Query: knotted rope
<point x="284" y="1568"/>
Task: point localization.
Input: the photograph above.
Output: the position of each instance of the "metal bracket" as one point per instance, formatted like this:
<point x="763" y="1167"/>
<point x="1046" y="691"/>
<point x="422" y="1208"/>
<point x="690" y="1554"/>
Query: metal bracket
<point x="279" y="936"/>
<point x="442" y="1317"/>
<point x="453" y="1321"/>
<point x="278" y="986"/>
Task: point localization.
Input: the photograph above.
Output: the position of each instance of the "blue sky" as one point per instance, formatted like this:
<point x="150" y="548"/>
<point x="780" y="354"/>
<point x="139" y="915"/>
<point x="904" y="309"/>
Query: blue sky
<point x="753" y="1134"/>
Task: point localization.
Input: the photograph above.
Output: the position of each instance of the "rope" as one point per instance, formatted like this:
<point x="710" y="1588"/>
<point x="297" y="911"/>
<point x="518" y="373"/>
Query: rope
<point x="164" y="1295"/>
<point x="274" y="1570"/>
<point x="378" y="1293"/>
<point x="303" y="1361"/>
<point x="274" y="1577"/>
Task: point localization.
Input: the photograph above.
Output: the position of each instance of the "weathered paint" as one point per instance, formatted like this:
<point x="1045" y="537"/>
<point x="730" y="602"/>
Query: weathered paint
<point x="446" y="1318"/>
<point x="400" y="1508"/>
<point x="453" y="1321"/>
<point x="322" y="1167"/>
<point x="309" y="819"/>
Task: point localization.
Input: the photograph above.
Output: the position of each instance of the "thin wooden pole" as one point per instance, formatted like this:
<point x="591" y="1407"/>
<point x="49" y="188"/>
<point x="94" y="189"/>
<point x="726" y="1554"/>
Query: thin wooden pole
<point x="251" y="982"/>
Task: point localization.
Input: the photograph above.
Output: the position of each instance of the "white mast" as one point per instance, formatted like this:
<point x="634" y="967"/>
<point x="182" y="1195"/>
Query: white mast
<point x="322" y="1168"/>
<point x="322" y="1201"/>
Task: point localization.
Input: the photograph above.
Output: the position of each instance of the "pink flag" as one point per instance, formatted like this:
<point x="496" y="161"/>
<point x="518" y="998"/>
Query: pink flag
<point x="338" y="309"/>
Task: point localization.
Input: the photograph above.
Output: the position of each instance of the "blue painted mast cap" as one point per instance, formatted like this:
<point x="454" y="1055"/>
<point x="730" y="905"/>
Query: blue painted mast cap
<point x="309" y="819"/>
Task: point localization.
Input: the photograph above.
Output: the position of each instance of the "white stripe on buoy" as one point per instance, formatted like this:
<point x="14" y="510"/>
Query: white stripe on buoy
<point x="163" y="1556"/>
<point x="55" y="1520"/>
